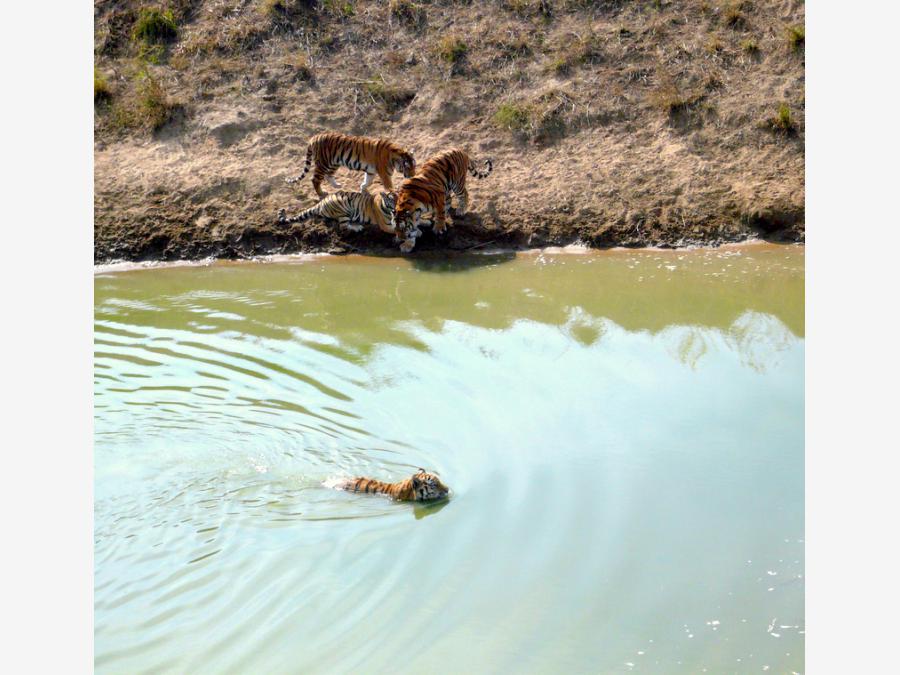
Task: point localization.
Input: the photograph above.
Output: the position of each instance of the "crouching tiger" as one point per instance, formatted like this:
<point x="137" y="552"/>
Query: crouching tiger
<point x="425" y="198"/>
<point x="420" y="487"/>
<point x="373" y="155"/>
<point x="352" y="210"/>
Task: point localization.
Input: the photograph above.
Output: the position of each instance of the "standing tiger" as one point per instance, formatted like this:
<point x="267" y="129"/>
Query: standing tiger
<point x="420" y="487"/>
<point x="372" y="155"/>
<point x="351" y="209"/>
<point x="425" y="198"/>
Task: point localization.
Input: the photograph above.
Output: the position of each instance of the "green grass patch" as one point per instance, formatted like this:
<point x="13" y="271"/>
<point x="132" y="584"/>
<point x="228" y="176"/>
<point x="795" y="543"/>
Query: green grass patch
<point x="782" y="121"/>
<point x="407" y="13"/>
<point x="514" y="117"/>
<point x="750" y="47"/>
<point x="796" y="37"/>
<point x="102" y="91"/>
<point x="339" y="8"/>
<point x="452" y="49"/>
<point x="154" y="25"/>
<point x="393" y="98"/>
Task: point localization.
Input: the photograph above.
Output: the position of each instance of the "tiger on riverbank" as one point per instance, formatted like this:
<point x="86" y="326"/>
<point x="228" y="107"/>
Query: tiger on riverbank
<point x="352" y="210"/>
<point x="330" y="150"/>
<point x="425" y="198"/>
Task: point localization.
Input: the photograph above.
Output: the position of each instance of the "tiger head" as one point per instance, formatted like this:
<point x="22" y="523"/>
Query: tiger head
<point x="427" y="486"/>
<point x="405" y="223"/>
<point x="405" y="163"/>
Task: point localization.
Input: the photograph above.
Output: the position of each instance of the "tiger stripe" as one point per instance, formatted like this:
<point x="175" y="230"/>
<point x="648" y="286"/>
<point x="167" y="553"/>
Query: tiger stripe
<point x="425" y="198"/>
<point x="352" y="210"/>
<point x="330" y="150"/>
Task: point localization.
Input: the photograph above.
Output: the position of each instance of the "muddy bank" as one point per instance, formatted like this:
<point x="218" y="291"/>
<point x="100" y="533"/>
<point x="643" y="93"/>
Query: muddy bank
<point x="610" y="124"/>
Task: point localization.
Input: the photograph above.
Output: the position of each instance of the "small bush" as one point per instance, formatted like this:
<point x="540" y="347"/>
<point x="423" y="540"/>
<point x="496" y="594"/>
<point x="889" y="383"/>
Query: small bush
<point x="528" y="8"/>
<point x="149" y="107"/>
<point x="406" y="12"/>
<point x="452" y="49"/>
<point x="714" y="45"/>
<point x="391" y="97"/>
<point x="782" y="122"/>
<point x="750" y="47"/>
<point x="796" y="37"/>
<point x="301" y="68"/>
<point x="734" y="15"/>
<point x="515" y="47"/>
<point x="102" y="91"/>
<point x="339" y="8"/>
<point x="154" y="25"/>
<point x="585" y="49"/>
<point x="669" y="98"/>
<point x="513" y="117"/>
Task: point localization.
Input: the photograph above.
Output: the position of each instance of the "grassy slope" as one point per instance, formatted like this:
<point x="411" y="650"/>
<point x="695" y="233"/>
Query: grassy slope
<point x="611" y="123"/>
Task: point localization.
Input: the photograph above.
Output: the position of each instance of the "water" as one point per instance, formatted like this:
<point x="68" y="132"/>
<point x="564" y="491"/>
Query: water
<point x="622" y="431"/>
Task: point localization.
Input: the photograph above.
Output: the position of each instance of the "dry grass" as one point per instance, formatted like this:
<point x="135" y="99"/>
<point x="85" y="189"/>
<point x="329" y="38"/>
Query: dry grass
<point x="391" y="97"/>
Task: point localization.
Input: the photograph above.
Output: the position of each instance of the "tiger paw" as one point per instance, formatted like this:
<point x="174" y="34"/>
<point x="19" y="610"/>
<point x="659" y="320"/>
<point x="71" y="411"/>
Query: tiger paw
<point x="407" y="245"/>
<point x="353" y="227"/>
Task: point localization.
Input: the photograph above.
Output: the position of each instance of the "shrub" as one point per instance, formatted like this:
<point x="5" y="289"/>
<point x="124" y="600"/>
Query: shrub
<point x="406" y="12"/>
<point x="796" y="37"/>
<point x="391" y="97"/>
<point x="339" y="8"/>
<point x="734" y="15"/>
<point x="102" y="92"/>
<point x="585" y="49"/>
<point x="154" y="25"/>
<point x="783" y="121"/>
<point x="513" y="117"/>
<point x="750" y="47"/>
<point x="153" y="106"/>
<point x="452" y="49"/>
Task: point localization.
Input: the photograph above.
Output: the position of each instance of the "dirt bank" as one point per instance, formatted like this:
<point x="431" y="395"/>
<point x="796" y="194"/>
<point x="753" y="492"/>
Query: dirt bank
<point x="610" y="123"/>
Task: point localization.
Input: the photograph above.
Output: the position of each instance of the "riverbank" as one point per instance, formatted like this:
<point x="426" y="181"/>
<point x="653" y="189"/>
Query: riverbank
<point x="610" y="124"/>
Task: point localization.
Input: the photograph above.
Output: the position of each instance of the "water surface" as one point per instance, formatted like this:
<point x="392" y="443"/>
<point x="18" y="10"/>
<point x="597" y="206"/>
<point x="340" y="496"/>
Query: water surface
<point x="623" y="433"/>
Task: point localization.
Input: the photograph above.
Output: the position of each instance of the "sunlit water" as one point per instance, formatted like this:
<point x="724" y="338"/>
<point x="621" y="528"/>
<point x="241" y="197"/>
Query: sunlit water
<point x="622" y="431"/>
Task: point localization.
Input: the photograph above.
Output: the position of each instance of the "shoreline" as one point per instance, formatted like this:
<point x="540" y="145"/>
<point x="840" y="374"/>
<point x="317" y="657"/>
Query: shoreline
<point x="120" y="266"/>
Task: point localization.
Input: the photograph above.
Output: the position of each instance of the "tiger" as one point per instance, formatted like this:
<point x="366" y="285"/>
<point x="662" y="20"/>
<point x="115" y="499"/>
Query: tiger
<point x="420" y="487"/>
<point x="425" y="198"/>
<point x="352" y="210"/>
<point x="372" y="155"/>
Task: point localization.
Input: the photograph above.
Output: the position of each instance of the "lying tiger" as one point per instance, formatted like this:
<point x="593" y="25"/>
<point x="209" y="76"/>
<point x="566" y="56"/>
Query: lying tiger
<point x="359" y="153"/>
<point x="352" y="210"/>
<point x="420" y="487"/>
<point x="425" y="198"/>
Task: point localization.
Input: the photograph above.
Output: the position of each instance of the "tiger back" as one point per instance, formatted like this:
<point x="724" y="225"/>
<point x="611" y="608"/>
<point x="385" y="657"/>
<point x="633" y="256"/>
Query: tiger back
<point x="420" y="487"/>
<point x="352" y="210"/>
<point x="425" y="198"/>
<point x="375" y="156"/>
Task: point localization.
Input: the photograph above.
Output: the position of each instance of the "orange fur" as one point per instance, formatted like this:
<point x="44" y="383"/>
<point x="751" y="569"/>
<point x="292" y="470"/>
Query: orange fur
<point x="329" y="150"/>
<point x="420" y="487"/>
<point x="426" y="196"/>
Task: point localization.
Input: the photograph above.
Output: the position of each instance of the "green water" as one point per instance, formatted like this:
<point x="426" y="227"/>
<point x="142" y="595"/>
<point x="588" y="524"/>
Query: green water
<point x="622" y="431"/>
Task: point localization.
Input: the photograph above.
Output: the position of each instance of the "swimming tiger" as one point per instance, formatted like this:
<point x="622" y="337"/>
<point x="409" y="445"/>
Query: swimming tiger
<point x="372" y="155"/>
<point x="420" y="487"/>
<point x="425" y="198"/>
<point x="351" y="209"/>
